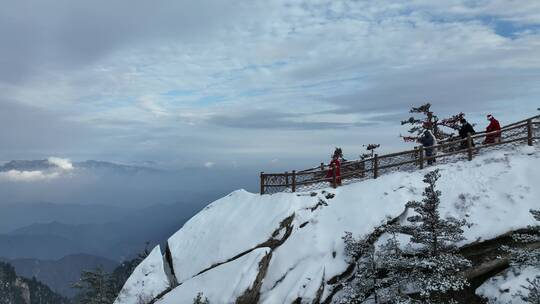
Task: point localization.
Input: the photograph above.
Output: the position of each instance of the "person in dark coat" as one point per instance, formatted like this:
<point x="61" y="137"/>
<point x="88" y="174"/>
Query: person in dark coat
<point x="428" y="141"/>
<point x="492" y="127"/>
<point x="464" y="131"/>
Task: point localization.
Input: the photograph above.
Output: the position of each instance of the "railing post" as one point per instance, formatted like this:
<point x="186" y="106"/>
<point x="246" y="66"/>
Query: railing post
<point x="421" y="157"/>
<point x="322" y="166"/>
<point x="334" y="181"/>
<point x="469" y="146"/>
<point x="262" y="183"/>
<point x="286" y="179"/>
<point x="363" y="169"/>
<point x="415" y="155"/>
<point x="294" y="181"/>
<point x="529" y="132"/>
<point x="376" y="166"/>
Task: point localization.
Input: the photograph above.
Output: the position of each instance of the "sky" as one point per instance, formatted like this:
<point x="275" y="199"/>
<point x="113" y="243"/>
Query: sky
<point x="253" y="85"/>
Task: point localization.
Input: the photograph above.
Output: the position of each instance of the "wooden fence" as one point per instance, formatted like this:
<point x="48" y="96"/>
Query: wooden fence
<point x="456" y="149"/>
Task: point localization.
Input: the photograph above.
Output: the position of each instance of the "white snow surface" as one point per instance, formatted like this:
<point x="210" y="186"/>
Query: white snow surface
<point x="494" y="192"/>
<point x="503" y="288"/>
<point x="147" y="281"/>
<point x="222" y="284"/>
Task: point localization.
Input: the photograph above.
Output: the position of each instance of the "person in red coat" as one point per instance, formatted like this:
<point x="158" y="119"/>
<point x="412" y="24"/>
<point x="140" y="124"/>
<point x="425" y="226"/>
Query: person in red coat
<point x="493" y="126"/>
<point x="336" y="162"/>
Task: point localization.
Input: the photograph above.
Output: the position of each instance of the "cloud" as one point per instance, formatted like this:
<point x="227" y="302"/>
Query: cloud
<point x="60" y="167"/>
<point x="270" y="119"/>
<point x="148" y="103"/>
<point x="65" y="34"/>
<point x="175" y="80"/>
<point x="27" y="176"/>
<point x="32" y="132"/>
<point x="209" y="164"/>
<point x="62" y="163"/>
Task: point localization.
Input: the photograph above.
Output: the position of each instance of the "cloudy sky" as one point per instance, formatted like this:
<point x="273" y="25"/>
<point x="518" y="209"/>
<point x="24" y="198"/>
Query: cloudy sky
<point x="259" y="84"/>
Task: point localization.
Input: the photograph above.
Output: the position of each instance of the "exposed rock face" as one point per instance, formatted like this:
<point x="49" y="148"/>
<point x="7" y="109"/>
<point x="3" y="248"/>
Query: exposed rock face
<point x="252" y="294"/>
<point x="288" y="247"/>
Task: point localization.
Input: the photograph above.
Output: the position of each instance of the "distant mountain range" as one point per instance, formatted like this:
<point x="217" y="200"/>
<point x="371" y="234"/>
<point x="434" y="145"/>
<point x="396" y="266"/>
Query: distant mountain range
<point x="60" y="275"/>
<point x="118" y="239"/>
<point x="47" y="242"/>
<point x="17" y="215"/>
<point x="45" y="164"/>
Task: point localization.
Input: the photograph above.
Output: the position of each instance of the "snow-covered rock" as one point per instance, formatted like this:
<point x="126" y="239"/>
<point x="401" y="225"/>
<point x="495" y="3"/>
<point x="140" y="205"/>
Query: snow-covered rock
<point x="303" y="231"/>
<point x="148" y="281"/>
<point x="503" y="288"/>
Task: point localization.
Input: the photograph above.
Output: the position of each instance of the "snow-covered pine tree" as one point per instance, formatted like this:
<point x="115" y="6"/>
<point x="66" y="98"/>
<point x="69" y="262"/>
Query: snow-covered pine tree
<point x="365" y="282"/>
<point x="435" y="266"/>
<point x="533" y="291"/>
<point x="394" y="263"/>
<point x="527" y="256"/>
<point x="379" y="273"/>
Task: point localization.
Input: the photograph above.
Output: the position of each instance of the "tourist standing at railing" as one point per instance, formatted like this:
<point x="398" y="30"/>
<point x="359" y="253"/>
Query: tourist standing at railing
<point x="428" y="141"/>
<point x="335" y="166"/>
<point x="493" y="126"/>
<point x="465" y="130"/>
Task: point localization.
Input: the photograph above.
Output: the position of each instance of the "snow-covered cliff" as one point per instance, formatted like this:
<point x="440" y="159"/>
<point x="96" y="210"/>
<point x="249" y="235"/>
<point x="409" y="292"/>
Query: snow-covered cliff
<point x="287" y="247"/>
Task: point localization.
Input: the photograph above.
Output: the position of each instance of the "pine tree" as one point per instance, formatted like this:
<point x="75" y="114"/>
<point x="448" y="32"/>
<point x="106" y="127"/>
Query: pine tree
<point x="525" y="256"/>
<point x="371" y="151"/>
<point x="395" y="263"/>
<point x="431" y="122"/>
<point x="533" y="291"/>
<point x="96" y="287"/>
<point x="9" y="293"/>
<point x="422" y="273"/>
<point x="435" y="267"/>
<point x="380" y="272"/>
<point x="99" y="287"/>
<point x="42" y="294"/>
<point x="365" y="282"/>
<point x="528" y="257"/>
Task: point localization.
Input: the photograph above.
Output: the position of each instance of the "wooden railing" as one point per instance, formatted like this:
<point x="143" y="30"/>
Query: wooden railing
<point x="452" y="150"/>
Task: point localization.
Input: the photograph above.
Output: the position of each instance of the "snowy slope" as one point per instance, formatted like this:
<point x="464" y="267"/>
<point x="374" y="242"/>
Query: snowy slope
<point x="302" y="231"/>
